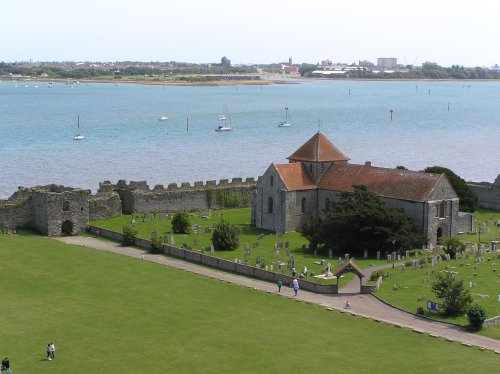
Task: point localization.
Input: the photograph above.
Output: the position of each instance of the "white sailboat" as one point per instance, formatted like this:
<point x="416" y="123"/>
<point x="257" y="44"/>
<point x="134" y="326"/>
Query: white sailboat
<point x="223" y="126"/>
<point x="163" y="117"/>
<point x="79" y="136"/>
<point x="285" y="123"/>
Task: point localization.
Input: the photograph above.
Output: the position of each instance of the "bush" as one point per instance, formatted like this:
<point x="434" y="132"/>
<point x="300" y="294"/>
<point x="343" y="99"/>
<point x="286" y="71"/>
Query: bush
<point x="455" y="298"/>
<point x="129" y="234"/>
<point x="225" y="237"/>
<point x="180" y="223"/>
<point x="452" y="246"/>
<point x="156" y="245"/>
<point x="476" y="315"/>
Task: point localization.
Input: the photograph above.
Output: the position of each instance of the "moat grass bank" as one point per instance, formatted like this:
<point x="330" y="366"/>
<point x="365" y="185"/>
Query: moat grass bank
<point x="114" y="314"/>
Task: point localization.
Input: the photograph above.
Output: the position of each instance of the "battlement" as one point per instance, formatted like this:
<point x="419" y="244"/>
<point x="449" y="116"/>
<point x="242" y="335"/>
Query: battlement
<point x="107" y="186"/>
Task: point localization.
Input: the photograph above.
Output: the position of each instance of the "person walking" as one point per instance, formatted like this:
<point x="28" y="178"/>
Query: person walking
<point x="295" y="285"/>
<point x="6" y="365"/>
<point x="49" y="355"/>
<point x="52" y="351"/>
<point x="279" y="284"/>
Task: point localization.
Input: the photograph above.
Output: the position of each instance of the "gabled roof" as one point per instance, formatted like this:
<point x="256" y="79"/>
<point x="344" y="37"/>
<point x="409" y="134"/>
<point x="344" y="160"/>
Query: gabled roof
<point x="392" y="183"/>
<point x="318" y="149"/>
<point x="295" y="176"/>
<point x="349" y="266"/>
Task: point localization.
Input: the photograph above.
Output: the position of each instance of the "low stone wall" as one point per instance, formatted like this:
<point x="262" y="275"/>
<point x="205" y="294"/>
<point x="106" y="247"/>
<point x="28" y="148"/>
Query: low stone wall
<point x="492" y="321"/>
<point x="221" y="263"/>
<point x="372" y="288"/>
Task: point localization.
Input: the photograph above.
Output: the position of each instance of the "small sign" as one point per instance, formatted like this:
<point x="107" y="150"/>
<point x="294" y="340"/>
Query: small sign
<point x="431" y="305"/>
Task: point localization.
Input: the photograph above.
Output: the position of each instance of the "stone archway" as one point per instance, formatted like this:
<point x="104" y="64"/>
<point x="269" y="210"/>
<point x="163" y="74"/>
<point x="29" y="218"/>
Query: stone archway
<point x="67" y="228"/>
<point x="439" y="234"/>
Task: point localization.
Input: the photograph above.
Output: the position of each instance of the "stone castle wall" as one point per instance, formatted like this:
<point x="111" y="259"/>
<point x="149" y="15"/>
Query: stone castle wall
<point x="104" y="206"/>
<point x="488" y="194"/>
<point x="137" y="197"/>
<point x="17" y="210"/>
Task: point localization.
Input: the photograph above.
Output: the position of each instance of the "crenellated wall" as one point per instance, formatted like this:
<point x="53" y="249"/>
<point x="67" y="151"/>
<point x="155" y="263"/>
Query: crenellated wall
<point x="138" y="197"/>
<point x="105" y="205"/>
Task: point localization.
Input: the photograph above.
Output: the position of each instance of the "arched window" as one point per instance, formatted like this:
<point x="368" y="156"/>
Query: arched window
<point x="303" y="209"/>
<point x="270" y="205"/>
<point x="310" y="168"/>
<point x="272" y="180"/>
<point x="442" y="209"/>
<point x="65" y="206"/>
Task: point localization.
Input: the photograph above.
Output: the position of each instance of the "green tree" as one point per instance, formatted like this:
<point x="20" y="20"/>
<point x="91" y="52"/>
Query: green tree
<point x="476" y="315"/>
<point x="468" y="199"/>
<point x="156" y="245"/>
<point x="359" y="221"/>
<point x="455" y="298"/>
<point x="452" y="245"/>
<point x="181" y="224"/>
<point x="225" y="237"/>
<point x="129" y="234"/>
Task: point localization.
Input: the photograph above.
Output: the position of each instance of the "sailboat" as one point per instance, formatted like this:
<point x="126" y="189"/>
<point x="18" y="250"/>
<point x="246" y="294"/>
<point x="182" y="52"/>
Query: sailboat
<point x="163" y="117"/>
<point x="285" y="123"/>
<point x="79" y="136"/>
<point x="223" y="126"/>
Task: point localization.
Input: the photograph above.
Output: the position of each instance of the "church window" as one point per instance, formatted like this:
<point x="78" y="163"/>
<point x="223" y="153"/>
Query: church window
<point x="442" y="209"/>
<point x="310" y="168"/>
<point x="270" y="205"/>
<point x="272" y="181"/>
<point x="66" y="206"/>
<point x="322" y="168"/>
<point x="303" y="209"/>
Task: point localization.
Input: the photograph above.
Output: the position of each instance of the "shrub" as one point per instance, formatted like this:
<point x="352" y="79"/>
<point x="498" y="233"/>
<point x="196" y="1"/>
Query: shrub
<point x="180" y="223"/>
<point x="476" y="315"/>
<point x="225" y="237"/>
<point x="129" y="234"/>
<point x="455" y="298"/>
<point x="452" y="246"/>
<point x="156" y="245"/>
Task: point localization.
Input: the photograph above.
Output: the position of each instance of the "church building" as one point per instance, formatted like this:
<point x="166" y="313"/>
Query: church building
<point x="288" y="195"/>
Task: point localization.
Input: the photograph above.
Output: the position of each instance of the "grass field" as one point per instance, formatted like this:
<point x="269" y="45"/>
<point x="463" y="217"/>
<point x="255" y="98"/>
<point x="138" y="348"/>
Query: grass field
<point x="411" y="289"/>
<point x="108" y="313"/>
<point x="249" y="234"/>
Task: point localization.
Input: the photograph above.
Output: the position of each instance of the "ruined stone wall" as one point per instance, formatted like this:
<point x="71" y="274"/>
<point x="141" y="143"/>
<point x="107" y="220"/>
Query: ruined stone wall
<point x="104" y="206"/>
<point x="137" y="197"/>
<point x="17" y="210"/>
<point x="488" y="194"/>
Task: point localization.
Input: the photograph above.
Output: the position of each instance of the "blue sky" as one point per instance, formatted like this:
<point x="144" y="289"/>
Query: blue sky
<point x="258" y="31"/>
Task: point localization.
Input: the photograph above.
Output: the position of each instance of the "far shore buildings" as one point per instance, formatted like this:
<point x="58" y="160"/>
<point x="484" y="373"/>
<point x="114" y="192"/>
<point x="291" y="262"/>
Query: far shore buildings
<point x="288" y="195"/>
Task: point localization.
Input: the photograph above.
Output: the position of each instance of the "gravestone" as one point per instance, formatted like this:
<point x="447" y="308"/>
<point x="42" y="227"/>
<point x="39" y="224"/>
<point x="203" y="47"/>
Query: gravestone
<point x="153" y="216"/>
<point x="195" y="242"/>
<point x="276" y="254"/>
<point x="315" y="253"/>
<point x="212" y="249"/>
<point x="154" y="234"/>
<point x="262" y="263"/>
<point x="340" y="261"/>
<point x="346" y="256"/>
<point x="378" y="255"/>
<point x="287" y="245"/>
<point x="172" y="240"/>
<point x="160" y="216"/>
<point x="288" y="252"/>
<point x="407" y="254"/>
<point x="257" y="261"/>
<point x="330" y="253"/>
<point x="365" y="253"/>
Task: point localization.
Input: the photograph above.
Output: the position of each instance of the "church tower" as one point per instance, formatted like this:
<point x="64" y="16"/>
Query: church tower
<point x="317" y="155"/>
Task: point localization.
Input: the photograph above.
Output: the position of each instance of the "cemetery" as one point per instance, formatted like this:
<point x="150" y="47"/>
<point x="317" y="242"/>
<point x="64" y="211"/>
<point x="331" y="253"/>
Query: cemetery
<point x="135" y="316"/>
<point x="279" y="253"/>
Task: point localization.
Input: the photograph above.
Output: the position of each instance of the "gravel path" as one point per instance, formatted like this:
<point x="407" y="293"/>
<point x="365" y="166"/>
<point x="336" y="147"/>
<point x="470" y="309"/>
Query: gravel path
<point x="366" y="306"/>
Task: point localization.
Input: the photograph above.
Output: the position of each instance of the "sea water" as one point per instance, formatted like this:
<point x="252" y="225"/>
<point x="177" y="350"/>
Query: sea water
<point x="453" y="124"/>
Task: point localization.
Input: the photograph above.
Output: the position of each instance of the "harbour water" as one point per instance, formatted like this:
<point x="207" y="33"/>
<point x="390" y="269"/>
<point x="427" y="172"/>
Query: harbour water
<point x="447" y="123"/>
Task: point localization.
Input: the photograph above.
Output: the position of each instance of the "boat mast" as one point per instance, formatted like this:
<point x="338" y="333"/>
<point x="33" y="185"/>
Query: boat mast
<point x="286" y="114"/>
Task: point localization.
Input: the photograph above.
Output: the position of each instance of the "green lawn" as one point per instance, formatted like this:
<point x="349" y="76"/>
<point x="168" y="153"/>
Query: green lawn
<point x="486" y="223"/>
<point x="403" y="289"/>
<point x="249" y="234"/>
<point x="108" y="313"/>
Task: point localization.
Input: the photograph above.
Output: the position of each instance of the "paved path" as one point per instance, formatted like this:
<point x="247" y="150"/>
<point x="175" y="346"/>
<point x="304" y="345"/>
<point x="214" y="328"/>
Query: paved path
<point x="366" y="306"/>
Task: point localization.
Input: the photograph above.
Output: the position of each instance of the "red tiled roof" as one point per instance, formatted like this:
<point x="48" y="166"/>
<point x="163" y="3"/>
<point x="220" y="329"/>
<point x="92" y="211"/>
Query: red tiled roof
<point x="295" y="176"/>
<point x="392" y="183"/>
<point x="318" y="149"/>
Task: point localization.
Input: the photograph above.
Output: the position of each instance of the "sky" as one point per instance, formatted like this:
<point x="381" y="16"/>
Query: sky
<point x="257" y="31"/>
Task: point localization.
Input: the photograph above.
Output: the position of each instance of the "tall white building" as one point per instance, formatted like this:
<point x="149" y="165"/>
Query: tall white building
<point x="387" y="62"/>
